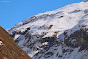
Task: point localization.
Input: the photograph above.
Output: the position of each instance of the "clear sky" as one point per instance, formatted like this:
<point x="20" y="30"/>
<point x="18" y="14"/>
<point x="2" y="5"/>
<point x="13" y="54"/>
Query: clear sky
<point x="14" y="11"/>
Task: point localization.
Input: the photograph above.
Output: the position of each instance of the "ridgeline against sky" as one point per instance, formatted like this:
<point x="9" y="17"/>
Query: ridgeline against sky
<point x="15" y="11"/>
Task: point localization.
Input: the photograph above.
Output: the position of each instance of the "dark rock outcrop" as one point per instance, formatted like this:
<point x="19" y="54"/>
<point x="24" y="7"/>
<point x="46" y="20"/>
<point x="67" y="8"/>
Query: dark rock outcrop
<point x="77" y="39"/>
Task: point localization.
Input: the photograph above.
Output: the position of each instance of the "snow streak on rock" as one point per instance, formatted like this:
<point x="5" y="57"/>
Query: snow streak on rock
<point x="1" y="42"/>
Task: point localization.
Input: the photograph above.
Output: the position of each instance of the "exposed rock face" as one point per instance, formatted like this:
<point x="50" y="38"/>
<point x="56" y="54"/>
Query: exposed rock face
<point x="9" y="49"/>
<point x="77" y="39"/>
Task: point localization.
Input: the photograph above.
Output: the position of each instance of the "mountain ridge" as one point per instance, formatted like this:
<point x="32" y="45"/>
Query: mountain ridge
<point x="58" y="34"/>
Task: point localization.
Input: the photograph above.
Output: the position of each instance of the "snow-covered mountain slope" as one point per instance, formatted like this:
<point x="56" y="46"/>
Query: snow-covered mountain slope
<point x="58" y="34"/>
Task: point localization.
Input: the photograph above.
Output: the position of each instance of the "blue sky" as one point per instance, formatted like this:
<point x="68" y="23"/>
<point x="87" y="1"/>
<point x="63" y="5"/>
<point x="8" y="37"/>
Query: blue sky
<point x="14" y="11"/>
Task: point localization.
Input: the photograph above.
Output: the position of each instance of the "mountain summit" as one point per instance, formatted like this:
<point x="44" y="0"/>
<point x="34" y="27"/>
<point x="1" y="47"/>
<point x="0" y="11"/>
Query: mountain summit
<point x="58" y="34"/>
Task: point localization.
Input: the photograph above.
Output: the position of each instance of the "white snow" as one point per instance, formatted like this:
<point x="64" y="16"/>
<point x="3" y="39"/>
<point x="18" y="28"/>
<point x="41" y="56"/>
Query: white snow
<point x="45" y="43"/>
<point x="71" y="17"/>
<point x="16" y="36"/>
<point x="1" y="43"/>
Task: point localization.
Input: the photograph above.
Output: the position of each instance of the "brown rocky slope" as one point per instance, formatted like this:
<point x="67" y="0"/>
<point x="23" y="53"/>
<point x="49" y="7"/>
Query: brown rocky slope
<point x="9" y="49"/>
